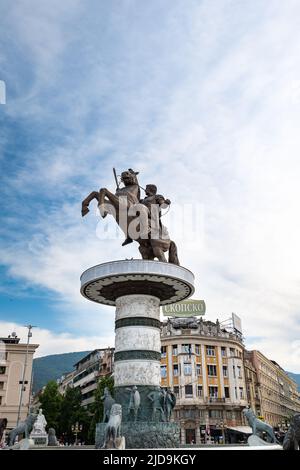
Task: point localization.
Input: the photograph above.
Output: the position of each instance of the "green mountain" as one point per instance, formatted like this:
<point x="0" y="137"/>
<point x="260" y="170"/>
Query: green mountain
<point x="53" y="367"/>
<point x="295" y="377"/>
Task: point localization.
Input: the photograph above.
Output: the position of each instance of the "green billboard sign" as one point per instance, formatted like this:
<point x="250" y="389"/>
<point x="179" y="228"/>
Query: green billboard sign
<point x="186" y="308"/>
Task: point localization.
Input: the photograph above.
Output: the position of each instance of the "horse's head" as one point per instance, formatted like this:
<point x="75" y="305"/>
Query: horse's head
<point x="31" y="418"/>
<point x="248" y="412"/>
<point x="116" y="409"/>
<point x="129" y="177"/>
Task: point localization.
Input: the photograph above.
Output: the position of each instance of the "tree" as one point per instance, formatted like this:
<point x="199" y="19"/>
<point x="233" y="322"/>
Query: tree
<point x="50" y="400"/>
<point x="96" y="409"/>
<point x="72" y="412"/>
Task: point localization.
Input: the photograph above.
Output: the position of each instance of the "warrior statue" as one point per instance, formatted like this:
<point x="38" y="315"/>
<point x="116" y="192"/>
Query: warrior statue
<point x="134" y="401"/>
<point x="139" y="219"/>
<point x="157" y="398"/>
<point x="169" y="403"/>
<point x="108" y="401"/>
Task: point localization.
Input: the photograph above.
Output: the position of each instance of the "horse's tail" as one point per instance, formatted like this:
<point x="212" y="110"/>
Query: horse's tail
<point x="173" y="256"/>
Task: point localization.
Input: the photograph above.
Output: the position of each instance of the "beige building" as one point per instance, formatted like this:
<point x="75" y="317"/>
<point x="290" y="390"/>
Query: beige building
<point x="277" y="392"/>
<point x="203" y="364"/>
<point x="12" y="362"/>
<point x="252" y="388"/>
<point x="88" y="371"/>
<point x="289" y="395"/>
<point x="65" y="381"/>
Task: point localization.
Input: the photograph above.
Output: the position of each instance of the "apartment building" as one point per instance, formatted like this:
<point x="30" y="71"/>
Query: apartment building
<point x="13" y="356"/>
<point x="88" y="371"/>
<point x="278" y="395"/>
<point x="203" y="364"/>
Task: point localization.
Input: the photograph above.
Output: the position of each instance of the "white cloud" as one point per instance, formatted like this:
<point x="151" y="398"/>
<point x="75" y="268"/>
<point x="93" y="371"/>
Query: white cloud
<point x="56" y="343"/>
<point x="204" y="101"/>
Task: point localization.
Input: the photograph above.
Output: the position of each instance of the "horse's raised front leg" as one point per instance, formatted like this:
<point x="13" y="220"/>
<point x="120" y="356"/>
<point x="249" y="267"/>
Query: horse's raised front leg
<point x="87" y="200"/>
<point x="103" y="203"/>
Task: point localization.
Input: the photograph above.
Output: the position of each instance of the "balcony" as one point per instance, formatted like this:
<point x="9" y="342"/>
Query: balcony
<point x="215" y="400"/>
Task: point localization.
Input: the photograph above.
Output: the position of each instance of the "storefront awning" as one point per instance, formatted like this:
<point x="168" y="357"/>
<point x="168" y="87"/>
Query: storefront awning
<point x="241" y="429"/>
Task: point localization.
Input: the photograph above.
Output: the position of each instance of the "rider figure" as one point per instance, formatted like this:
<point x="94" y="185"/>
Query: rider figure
<point x="152" y="199"/>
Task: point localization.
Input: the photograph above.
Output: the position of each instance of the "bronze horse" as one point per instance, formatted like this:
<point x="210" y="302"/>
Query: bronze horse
<point x="125" y="206"/>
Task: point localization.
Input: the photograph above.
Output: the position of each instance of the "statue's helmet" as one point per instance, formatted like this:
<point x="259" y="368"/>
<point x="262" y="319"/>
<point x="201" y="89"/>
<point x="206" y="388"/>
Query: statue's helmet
<point x="151" y="188"/>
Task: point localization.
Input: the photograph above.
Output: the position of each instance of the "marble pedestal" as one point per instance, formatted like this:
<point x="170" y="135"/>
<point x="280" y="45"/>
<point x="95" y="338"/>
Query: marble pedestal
<point x="39" y="439"/>
<point x="137" y="288"/>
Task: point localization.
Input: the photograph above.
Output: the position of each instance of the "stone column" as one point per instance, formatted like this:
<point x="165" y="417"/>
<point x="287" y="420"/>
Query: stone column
<point x="198" y="435"/>
<point x="182" y="433"/>
<point x="137" y="350"/>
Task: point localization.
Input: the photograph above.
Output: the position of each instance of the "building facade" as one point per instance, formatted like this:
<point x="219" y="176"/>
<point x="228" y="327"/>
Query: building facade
<point x="203" y="364"/>
<point x="88" y="371"/>
<point x="278" y="395"/>
<point x="252" y="388"/>
<point x="13" y="356"/>
<point x="65" y="381"/>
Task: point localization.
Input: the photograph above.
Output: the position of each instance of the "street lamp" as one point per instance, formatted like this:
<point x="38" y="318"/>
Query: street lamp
<point x="29" y="335"/>
<point x="76" y="429"/>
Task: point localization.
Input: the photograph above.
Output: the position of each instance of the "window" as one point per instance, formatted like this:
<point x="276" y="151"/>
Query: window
<point x="198" y="370"/>
<point x="187" y="368"/>
<point x="186" y="348"/>
<point x="197" y="349"/>
<point x="163" y="372"/>
<point x="176" y="391"/>
<point x="213" y="392"/>
<point x="199" y="391"/>
<point x="232" y="352"/>
<point x="226" y="390"/>
<point x="0" y="400"/>
<point x="241" y="393"/>
<point x="210" y="351"/>
<point x="215" y="413"/>
<point x="233" y="367"/>
<point x="1" y="385"/>
<point x="239" y="370"/>
<point x="235" y="392"/>
<point x="188" y="389"/>
<point x="164" y="351"/>
<point x="212" y="370"/>
<point x="2" y="369"/>
<point x="225" y="371"/>
<point x="223" y="351"/>
<point x="175" y="370"/>
<point x="174" y="350"/>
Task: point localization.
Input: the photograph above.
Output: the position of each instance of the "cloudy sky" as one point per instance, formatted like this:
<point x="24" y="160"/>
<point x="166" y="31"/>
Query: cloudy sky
<point x="203" y="98"/>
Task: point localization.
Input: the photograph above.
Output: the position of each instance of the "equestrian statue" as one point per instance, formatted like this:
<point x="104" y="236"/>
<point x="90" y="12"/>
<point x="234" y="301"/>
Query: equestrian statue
<point x="139" y="218"/>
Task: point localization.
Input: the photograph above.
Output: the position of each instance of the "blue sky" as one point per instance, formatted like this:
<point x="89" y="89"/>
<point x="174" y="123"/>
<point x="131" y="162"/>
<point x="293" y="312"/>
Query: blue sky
<point x="203" y="98"/>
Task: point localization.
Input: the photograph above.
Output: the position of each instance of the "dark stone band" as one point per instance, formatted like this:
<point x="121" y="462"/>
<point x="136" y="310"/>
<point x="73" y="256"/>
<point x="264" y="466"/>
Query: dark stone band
<point x="137" y="354"/>
<point x="137" y="321"/>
